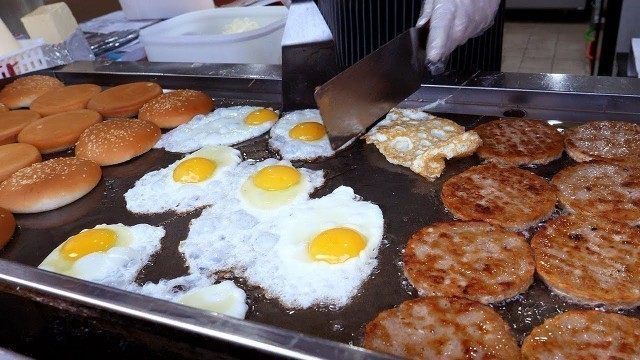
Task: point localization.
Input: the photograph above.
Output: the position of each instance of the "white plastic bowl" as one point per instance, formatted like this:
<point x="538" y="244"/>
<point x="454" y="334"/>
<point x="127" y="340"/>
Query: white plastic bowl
<point x="198" y="37"/>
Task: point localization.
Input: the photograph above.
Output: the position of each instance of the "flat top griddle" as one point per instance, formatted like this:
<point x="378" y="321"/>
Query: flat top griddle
<point x="408" y="202"/>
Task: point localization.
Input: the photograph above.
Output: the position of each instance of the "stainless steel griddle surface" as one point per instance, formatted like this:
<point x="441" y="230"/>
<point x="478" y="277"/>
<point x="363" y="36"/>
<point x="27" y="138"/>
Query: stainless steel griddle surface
<point x="408" y="202"/>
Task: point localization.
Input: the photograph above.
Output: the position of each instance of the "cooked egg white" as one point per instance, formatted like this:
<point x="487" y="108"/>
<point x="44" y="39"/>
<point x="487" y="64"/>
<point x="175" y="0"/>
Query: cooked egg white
<point x="192" y="182"/>
<point x="301" y="135"/>
<point x="197" y="291"/>
<point x="224" y="126"/>
<point x="107" y="254"/>
<point x="306" y="253"/>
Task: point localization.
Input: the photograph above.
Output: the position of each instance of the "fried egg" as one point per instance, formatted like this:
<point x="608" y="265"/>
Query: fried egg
<point x="192" y="182"/>
<point x="298" y="253"/>
<point x="197" y="291"/>
<point x="224" y="126"/>
<point x="301" y="135"/>
<point x="271" y="184"/>
<point x="107" y="254"/>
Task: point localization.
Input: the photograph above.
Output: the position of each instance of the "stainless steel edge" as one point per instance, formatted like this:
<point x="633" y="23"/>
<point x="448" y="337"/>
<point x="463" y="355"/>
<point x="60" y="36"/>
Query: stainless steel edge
<point x="550" y="96"/>
<point x="44" y="286"/>
<point x="545" y="96"/>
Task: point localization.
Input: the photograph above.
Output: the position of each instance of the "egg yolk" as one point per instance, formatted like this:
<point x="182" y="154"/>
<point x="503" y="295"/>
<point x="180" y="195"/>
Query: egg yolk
<point x="260" y="116"/>
<point x="336" y="245"/>
<point x="88" y="242"/>
<point x="194" y="170"/>
<point x="307" y="131"/>
<point x="276" y="177"/>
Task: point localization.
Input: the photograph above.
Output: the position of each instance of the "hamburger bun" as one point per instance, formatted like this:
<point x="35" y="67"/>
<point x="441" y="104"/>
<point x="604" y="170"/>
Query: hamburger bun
<point x="14" y="157"/>
<point x="7" y="226"/>
<point x="3" y="107"/>
<point x="12" y="122"/>
<point x="58" y="132"/>
<point x="116" y="141"/>
<point x="68" y="98"/>
<point x="21" y="92"/>
<point x="124" y="100"/>
<point x="175" y="108"/>
<point x="49" y="185"/>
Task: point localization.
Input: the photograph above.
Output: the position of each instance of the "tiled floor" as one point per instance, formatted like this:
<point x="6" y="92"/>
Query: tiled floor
<point x="548" y="48"/>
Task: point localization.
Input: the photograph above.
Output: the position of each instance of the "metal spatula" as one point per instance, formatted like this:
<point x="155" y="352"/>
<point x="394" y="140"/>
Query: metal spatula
<point x="362" y="94"/>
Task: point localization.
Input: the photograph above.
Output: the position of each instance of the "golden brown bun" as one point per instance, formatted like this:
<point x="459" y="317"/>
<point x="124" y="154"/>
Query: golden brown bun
<point x="7" y="226"/>
<point x="175" y="108"/>
<point x="74" y="97"/>
<point x="49" y="185"/>
<point x="116" y="141"/>
<point x="124" y="100"/>
<point x="12" y="122"/>
<point x="3" y="107"/>
<point x="14" y="157"/>
<point x="23" y="91"/>
<point x="58" y="132"/>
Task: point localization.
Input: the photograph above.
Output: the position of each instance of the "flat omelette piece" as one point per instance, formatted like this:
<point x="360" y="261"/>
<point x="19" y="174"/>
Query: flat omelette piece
<point x="590" y="260"/>
<point x="421" y="141"/>
<point x="441" y="328"/>
<point x="610" y="141"/>
<point x="503" y="195"/>
<point x="519" y="142"/>
<point x="584" y="335"/>
<point x="470" y="259"/>
<point x="600" y="189"/>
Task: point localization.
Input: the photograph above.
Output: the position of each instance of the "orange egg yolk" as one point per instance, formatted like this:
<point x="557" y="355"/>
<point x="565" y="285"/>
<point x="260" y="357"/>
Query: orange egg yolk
<point x="88" y="242"/>
<point x="307" y="131"/>
<point x="194" y="170"/>
<point x="336" y="245"/>
<point x="260" y="116"/>
<point x="276" y="177"/>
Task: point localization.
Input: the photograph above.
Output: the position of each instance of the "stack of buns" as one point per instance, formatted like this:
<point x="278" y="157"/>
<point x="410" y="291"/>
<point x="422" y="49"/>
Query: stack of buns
<point x="61" y="117"/>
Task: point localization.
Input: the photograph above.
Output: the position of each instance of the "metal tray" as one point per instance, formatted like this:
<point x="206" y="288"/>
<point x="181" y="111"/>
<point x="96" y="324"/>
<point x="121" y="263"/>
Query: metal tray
<point x="408" y="202"/>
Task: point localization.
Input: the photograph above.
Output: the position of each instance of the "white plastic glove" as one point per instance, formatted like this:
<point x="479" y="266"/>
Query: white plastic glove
<point x="453" y="22"/>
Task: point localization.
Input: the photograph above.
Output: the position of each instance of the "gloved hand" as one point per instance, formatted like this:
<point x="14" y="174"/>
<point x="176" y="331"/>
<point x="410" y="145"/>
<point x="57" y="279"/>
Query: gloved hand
<point x="453" y="22"/>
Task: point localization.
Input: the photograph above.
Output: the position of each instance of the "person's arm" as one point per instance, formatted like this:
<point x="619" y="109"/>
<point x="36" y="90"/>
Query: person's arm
<point x="453" y="22"/>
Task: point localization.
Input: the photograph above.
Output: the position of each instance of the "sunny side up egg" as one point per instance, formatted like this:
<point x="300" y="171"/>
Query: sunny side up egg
<point x="107" y="254"/>
<point x="300" y="135"/>
<point x="307" y="253"/>
<point x="224" y="126"/>
<point x="197" y="291"/>
<point x="271" y="184"/>
<point x="192" y="182"/>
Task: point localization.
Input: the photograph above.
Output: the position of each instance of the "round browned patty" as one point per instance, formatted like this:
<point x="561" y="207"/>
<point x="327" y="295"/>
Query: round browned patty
<point x="504" y="195"/>
<point x="610" y="141"/>
<point x="441" y="328"/>
<point x="471" y="259"/>
<point x="519" y="142"/>
<point x="601" y="189"/>
<point x="584" y="334"/>
<point x="590" y="260"/>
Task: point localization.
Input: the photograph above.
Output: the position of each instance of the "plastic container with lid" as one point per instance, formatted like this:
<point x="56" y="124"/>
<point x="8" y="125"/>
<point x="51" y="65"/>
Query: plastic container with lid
<point x="199" y="37"/>
<point x="161" y="9"/>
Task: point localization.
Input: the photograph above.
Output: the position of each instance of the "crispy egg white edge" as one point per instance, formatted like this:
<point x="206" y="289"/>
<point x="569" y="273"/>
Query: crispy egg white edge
<point x="294" y="149"/>
<point x="197" y="133"/>
<point x="156" y="191"/>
